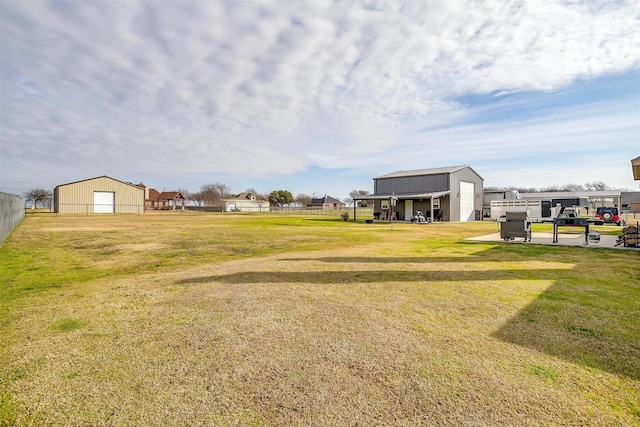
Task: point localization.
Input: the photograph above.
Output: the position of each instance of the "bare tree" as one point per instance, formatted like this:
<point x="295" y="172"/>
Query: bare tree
<point x="262" y="200"/>
<point x="302" y="199"/>
<point x="38" y="195"/>
<point x="597" y="186"/>
<point x="197" y="198"/>
<point x="188" y="195"/>
<point x="214" y="194"/>
<point x="355" y="194"/>
<point x="572" y="187"/>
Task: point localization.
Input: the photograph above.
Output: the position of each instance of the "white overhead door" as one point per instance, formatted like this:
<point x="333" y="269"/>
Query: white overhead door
<point x="467" y="199"/>
<point x="103" y="201"/>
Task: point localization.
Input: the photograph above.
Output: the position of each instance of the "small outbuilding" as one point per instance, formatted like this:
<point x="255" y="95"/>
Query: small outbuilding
<point x="442" y="194"/>
<point x="98" y="195"/>
<point x="326" y="202"/>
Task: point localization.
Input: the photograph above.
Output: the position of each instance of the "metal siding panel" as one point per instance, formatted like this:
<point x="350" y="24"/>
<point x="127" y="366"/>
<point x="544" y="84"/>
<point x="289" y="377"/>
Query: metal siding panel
<point x="454" y="204"/>
<point x="445" y="207"/>
<point x="78" y="197"/>
<point x="413" y="184"/>
<point x="468" y="175"/>
<point x="56" y="200"/>
<point x="479" y="183"/>
<point x="129" y="199"/>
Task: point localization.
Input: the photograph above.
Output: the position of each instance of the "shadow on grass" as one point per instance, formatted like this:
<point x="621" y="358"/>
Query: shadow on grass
<point x="372" y="276"/>
<point x="587" y="319"/>
<point x="598" y="332"/>
<point x="390" y="260"/>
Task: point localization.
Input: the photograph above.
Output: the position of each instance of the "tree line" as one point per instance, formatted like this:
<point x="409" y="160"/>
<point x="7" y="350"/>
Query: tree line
<point x="569" y="187"/>
<point x="214" y="195"/>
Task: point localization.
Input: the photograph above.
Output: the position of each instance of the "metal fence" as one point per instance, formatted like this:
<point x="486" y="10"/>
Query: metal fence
<point x="360" y="212"/>
<point x="368" y="212"/>
<point x="92" y="209"/>
<point x="11" y="213"/>
<point x="98" y="209"/>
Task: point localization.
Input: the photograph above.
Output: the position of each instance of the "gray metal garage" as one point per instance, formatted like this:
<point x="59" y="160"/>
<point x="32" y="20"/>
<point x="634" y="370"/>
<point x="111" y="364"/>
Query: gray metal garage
<point x="98" y="195"/>
<point x="446" y="194"/>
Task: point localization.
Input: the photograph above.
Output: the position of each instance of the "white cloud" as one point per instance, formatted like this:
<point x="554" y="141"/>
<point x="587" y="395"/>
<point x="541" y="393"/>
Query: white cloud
<point x="269" y="87"/>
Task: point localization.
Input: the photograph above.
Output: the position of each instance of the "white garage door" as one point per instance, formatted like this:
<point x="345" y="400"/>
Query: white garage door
<point x="467" y="198"/>
<point x="103" y="201"/>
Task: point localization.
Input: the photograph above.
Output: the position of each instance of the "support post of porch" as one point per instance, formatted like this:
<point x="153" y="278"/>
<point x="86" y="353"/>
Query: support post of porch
<point x="431" y="211"/>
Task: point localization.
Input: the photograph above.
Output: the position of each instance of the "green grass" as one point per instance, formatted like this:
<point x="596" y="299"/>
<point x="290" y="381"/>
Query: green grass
<point x="544" y="373"/>
<point x="293" y="320"/>
<point x="65" y="325"/>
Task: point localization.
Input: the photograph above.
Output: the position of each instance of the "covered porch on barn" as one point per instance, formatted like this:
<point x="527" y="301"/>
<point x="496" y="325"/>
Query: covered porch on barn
<point x="402" y="207"/>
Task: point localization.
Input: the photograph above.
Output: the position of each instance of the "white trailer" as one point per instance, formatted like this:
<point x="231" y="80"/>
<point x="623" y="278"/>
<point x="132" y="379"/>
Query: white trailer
<point x="499" y="208"/>
<point x="491" y="195"/>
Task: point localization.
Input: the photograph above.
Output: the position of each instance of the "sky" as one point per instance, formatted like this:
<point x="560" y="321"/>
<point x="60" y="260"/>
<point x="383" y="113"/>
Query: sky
<point x="317" y="97"/>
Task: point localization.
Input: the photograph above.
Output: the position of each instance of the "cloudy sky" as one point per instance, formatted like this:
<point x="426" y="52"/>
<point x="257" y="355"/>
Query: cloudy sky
<point x="317" y="96"/>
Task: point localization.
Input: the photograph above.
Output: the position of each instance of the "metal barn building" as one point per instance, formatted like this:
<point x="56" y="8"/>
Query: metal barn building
<point x="446" y="194"/>
<point x="98" y="195"/>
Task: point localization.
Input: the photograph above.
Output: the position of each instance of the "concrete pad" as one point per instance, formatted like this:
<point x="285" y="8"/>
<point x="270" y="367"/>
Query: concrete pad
<point x="564" y="239"/>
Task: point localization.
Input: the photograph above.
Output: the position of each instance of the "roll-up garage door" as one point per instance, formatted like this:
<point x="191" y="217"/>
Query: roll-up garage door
<point x="103" y="201"/>
<point x="467" y="199"/>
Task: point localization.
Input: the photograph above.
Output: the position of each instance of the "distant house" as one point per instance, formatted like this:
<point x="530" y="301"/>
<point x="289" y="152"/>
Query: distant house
<point x="98" y="195"/>
<point x="449" y="194"/>
<point x="246" y="202"/>
<point x="169" y="200"/>
<point x="166" y="200"/>
<point x="326" y="202"/>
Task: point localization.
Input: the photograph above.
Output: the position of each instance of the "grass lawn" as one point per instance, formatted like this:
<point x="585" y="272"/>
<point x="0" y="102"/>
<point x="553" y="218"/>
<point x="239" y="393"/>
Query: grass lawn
<point x="224" y="319"/>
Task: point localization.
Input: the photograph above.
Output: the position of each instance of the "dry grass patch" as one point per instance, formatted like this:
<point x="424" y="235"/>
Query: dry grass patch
<point x="371" y="326"/>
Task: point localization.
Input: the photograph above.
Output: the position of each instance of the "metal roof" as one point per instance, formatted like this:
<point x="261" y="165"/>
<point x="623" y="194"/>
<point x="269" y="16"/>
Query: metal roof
<point x="98" y="177"/>
<point x="420" y="172"/>
<point x="570" y="194"/>
<point x="325" y="199"/>
<point x="169" y="195"/>
<point x="405" y="196"/>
